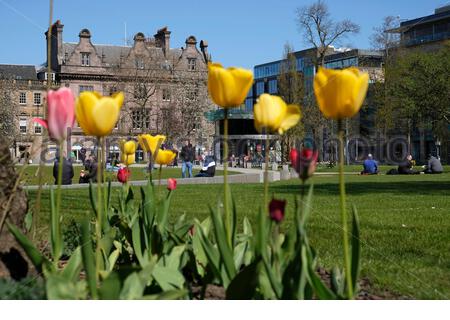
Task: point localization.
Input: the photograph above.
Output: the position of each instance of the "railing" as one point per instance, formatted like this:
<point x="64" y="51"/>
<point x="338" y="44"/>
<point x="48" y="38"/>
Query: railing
<point x="427" y="38"/>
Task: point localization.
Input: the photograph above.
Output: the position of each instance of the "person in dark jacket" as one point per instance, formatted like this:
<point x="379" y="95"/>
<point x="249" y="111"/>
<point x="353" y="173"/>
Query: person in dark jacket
<point x="67" y="171"/>
<point x="406" y="166"/>
<point x="209" y="167"/>
<point x="434" y="165"/>
<point x="187" y="156"/>
<point x="91" y="175"/>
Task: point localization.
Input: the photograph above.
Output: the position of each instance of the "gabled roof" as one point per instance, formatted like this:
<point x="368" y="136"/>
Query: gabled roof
<point x="18" y="72"/>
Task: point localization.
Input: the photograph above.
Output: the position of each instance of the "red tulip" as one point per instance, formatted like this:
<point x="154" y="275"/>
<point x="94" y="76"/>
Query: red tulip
<point x="61" y="113"/>
<point x="171" y="184"/>
<point x="123" y="175"/>
<point x="192" y="230"/>
<point x="304" y="163"/>
<point x="276" y="210"/>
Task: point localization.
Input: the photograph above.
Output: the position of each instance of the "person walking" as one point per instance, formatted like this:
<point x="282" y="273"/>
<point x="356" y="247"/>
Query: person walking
<point x="67" y="170"/>
<point x="187" y="157"/>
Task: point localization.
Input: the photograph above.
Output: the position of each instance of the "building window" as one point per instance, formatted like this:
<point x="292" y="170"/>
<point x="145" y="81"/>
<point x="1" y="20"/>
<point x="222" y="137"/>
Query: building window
<point x="273" y="88"/>
<point x="22" y="98"/>
<point x="192" y="64"/>
<point x="259" y="88"/>
<point x="85" y="59"/>
<point x="23" y="125"/>
<point x="192" y="94"/>
<point x="166" y="94"/>
<point x="139" y="63"/>
<point x="140" y="119"/>
<point x="37" y="99"/>
<point x="37" y="128"/>
<point x="85" y="88"/>
<point x="140" y="91"/>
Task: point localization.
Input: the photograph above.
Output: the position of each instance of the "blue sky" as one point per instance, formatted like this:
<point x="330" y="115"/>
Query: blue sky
<point x="239" y="32"/>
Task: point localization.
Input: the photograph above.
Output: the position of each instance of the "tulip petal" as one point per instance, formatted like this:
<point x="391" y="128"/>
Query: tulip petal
<point x="269" y="112"/>
<point x="291" y="118"/>
<point x="164" y="157"/>
<point x="105" y="115"/>
<point x="85" y="104"/>
<point x="42" y="122"/>
<point x="119" y="97"/>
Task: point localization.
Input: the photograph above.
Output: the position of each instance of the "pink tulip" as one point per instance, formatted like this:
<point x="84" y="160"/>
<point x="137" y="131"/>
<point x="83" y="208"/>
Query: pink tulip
<point x="171" y="184"/>
<point x="60" y="113"/>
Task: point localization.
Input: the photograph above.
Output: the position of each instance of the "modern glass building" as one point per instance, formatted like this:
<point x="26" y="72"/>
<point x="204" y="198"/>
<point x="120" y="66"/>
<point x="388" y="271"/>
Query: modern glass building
<point x="428" y="31"/>
<point x="244" y="140"/>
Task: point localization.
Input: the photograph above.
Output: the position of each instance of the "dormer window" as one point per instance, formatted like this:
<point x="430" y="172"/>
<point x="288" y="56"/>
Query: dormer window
<point x="192" y="64"/>
<point x="85" y="59"/>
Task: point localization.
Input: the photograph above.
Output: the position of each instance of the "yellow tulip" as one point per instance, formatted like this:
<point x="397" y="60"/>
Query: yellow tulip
<point x="128" y="147"/>
<point x="164" y="157"/>
<point x="149" y="143"/>
<point x="228" y="87"/>
<point x="272" y="114"/>
<point x="127" y="159"/>
<point x="340" y="93"/>
<point x="98" y="115"/>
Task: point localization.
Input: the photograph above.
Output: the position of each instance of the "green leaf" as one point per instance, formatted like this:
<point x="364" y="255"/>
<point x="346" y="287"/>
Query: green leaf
<point x="73" y="267"/>
<point x="168" y="278"/>
<point x="356" y="249"/>
<point x="93" y="200"/>
<point x="110" y="289"/>
<point x="211" y="253"/>
<point x="167" y="295"/>
<point x="239" y="254"/>
<point x="320" y="289"/>
<point x="60" y="288"/>
<point x="244" y="285"/>
<point x="133" y="287"/>
<point x="222" y="243"/>
<point x="233" y="219"/>
<point x="136" y="239"/>
<point x="38" y="260"/>
<point x="276" y="286"/>
<point x="88" y="258"/>
<point x="173" y="260"/>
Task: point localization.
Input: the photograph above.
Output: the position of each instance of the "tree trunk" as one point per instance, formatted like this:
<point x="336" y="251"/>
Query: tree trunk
<point x="13" y="201"/>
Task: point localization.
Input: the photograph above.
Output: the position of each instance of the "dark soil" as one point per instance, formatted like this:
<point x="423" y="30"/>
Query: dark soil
<point x="366" y="290"/>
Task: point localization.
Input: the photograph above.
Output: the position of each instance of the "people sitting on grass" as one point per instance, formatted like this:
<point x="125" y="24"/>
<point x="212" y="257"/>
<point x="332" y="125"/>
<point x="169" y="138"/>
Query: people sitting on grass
<point x="67" y="170"/>
<point x="370" y="166"/>
<point x="91" y="174"/>
<point x="209" y="168"/>
<point x="434" y="165"/>
<point x="406" y="167"/>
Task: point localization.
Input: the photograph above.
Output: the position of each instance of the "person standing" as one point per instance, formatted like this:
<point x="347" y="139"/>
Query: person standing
<point x="67" y="170"/>
<point x="91" y="176"/>
<point x="187" y="157"/>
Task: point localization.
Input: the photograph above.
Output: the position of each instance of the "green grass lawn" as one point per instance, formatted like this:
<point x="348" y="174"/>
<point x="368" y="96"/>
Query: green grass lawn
<point x="30" y="176"/>
<point x="405" y="223"/>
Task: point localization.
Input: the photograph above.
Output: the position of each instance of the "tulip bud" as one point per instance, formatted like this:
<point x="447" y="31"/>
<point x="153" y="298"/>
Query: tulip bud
<point x="123" y="175"/>
<point x="171" y="184"/>
<point x="304" y="162"/>
<point x="276" y="210"/>
<point x="192" y="230"/>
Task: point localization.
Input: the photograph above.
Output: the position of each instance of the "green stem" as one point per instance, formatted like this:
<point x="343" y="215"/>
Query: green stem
<point x="266" y="175"/>
<point x="98" y="224"/>
<point x="225" y="177"/>
<point x="344" y="211"/>
<point x="57" y="212"/>
<point x="159" y="180"/>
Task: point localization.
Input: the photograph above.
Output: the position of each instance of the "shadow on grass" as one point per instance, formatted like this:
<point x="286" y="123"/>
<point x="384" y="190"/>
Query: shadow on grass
<point x="366" y="187"/>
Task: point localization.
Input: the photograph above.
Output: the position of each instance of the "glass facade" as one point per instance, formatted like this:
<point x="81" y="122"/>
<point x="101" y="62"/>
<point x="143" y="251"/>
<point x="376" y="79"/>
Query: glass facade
<point x="259" y="88"/>
<point x="267" y="70"/>
<point x="273" y="86"/>
<point x="342" y="63"/>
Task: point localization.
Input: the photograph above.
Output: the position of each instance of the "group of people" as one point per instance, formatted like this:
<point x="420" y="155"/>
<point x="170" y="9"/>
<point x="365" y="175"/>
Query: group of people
<point x="187" y="156"/>
<point x="88" y="174"/>
<point x="434" y="166"/>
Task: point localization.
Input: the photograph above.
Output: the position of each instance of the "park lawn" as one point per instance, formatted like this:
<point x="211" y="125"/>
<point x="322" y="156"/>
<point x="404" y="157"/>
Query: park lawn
<point x="30" y="176"/>
<point x="358" y="168"/>
<point x="405" y="224"/>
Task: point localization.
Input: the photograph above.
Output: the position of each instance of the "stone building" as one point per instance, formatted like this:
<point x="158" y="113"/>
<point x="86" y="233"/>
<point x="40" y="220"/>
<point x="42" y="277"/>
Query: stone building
<point x="22" y="98"/>
<point x="165" y="88"/>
